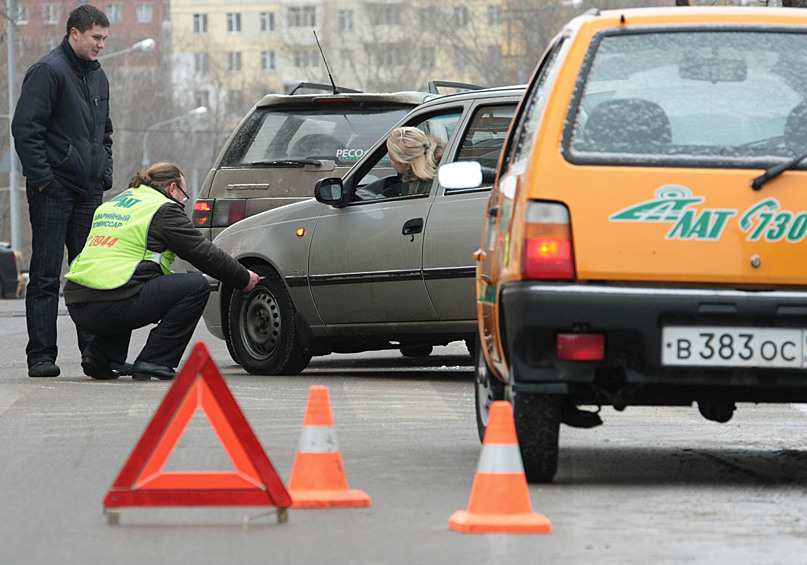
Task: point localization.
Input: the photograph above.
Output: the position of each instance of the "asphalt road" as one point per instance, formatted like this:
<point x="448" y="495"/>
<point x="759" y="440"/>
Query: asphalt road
<point x="652" y="485"/>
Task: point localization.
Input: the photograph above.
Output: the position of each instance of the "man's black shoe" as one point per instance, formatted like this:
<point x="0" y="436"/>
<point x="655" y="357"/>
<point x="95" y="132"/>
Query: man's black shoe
<point x="125" y="369"/>
<point x="44" y="369"/>
<point x="572" y="416"/>
<point x="97" y="365"/>
<point x="143" y="371"/>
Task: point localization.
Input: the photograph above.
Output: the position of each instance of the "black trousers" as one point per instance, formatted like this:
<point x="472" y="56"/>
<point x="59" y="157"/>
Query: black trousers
<point x="174" y="302"/>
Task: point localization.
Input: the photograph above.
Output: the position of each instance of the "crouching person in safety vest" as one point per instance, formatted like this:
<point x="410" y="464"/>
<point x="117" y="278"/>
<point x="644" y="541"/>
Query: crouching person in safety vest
<point x="122" y="279"/>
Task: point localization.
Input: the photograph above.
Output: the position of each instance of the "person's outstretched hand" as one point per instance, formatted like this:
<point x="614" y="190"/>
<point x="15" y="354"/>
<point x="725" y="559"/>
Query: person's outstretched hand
<point x="253" y="280"/>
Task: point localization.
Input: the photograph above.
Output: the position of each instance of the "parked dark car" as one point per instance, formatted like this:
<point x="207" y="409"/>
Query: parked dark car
<point x="12" y="281"/>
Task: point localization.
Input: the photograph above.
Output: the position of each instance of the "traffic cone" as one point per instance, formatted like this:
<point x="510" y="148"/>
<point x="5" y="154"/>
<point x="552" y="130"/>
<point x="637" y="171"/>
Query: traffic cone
<point x="318" y="474"/>
<point x="500" y="500"/>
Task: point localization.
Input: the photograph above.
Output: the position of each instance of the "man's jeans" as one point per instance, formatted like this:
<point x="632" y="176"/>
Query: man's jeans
<point x="60" y="217"/>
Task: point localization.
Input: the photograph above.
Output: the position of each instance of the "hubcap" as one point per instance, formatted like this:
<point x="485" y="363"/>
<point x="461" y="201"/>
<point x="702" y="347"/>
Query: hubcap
<point x="261" y="325"/>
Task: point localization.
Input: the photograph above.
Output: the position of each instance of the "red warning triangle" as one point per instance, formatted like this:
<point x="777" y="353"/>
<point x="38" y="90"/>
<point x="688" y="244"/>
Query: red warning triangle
<point x="143" y="482"/>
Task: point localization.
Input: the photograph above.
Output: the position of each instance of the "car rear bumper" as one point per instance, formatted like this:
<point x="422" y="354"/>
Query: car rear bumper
<point x="631" y="320"/>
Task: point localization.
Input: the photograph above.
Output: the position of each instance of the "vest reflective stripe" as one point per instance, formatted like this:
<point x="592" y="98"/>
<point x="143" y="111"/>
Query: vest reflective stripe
<point x="154" y="257"/>
<point x="500" y="458"/>
<point x="117" y="241"/>
<point x="317" y="439"/>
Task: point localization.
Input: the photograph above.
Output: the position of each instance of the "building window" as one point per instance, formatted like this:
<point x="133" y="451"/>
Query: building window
<point x="267" y="61"/>
<point x="391" y="56"/>
<point x="200" y="24"/>
<point x="304" y="59"/>
<point x="428" y="18"/>
<point x="202" y="98"/>
<point x="347" y="60"/>
<point x="427" y="58"/>
<point x="234" y="61"/>
<point x="51" y="13"/>
<point x="145" y="12"/>
<point x="387" y="15"/>
<point x="460" y="16"/>
<point x="201" y="62"/>
<point x="494" y="16"/>
<point x="113" y="13"/>
<point x="234" y="23"/>
<point x="345" y="20"/>
<point x="301" y="16"/>
<point x="460" y="58"/>
<point x="495" y="56"/>
<point x="267" y="22"/>
<point x="22" y="14"/>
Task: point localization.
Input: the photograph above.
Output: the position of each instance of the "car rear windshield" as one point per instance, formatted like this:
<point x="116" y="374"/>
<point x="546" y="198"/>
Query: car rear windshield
<point x="283" y="136"/>
<point x="730" y="98"/>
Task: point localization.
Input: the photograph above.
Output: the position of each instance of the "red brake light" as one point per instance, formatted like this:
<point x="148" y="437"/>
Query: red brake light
<point x="202" y="212"/>
<point x="547" y="247"/>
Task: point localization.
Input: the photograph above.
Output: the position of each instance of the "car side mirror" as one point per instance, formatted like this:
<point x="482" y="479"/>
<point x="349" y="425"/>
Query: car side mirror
<point x="330" y="191"/>
<point x="465" y="174"/>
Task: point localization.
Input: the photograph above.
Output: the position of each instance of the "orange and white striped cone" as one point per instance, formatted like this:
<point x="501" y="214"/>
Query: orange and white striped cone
<point x="500" y="499"/>
<point x="318" y="474"/>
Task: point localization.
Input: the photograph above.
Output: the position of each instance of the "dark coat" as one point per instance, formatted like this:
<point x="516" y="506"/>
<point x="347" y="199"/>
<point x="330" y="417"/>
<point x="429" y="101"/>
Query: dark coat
<point x="61" y="125"/>
<point x="170" y="228"/>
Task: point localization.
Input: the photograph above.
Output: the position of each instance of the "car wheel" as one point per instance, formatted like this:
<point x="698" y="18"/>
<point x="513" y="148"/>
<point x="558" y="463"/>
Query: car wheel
<point x="537" y="418"/>
<point x="263" y="328"/>
<point x="488" y="389"/>
<point x="417" y="351"/>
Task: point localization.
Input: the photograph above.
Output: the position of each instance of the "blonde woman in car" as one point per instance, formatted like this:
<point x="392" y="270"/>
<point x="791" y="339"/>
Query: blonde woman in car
<point x="414" y="157"/>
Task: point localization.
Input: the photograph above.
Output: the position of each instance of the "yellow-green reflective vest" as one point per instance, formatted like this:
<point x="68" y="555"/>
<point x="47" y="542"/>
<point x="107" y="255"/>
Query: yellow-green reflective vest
<point x="117" y="241"/>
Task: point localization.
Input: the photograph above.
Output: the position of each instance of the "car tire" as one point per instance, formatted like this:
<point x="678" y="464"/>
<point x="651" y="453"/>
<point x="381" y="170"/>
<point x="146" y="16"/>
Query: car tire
<point x="537" y="419"/>
<point x="263" y="328"/>
<point x="417" y="351"/>
<point x="487" y="389"/>
<point x="225" y="329"/>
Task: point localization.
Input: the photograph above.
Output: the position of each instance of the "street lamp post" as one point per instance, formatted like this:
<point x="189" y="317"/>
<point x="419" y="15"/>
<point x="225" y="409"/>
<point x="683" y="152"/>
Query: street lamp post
<point x="195" y="112"/>
<point x="14" y="197"/>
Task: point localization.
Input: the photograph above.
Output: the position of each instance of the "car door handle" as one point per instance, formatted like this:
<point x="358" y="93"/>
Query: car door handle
<point x="412" y="226"/>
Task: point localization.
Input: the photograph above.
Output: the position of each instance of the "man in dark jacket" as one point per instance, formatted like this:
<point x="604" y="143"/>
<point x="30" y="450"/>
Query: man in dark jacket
<point x="62" y="134"/>
<point x="122" y="279"/>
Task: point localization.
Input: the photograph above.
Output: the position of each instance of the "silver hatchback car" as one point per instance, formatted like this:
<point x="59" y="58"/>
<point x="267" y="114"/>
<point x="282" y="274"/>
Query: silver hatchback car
<point x="352" y="272"/>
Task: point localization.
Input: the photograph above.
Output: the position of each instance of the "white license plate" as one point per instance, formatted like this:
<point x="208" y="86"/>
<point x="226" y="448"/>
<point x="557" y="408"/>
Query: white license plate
<point x="718" y="346"/>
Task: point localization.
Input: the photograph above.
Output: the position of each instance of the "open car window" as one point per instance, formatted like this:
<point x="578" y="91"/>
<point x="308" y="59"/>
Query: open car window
<point x="381" y="181"/>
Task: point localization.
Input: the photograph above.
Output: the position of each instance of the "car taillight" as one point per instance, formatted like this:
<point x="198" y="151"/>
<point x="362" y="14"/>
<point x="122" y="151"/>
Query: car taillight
<point x="228" y="212"/>
<point x="547" y="251"/>
<point x="202" y="213"/>
<point x="218" y="213"/>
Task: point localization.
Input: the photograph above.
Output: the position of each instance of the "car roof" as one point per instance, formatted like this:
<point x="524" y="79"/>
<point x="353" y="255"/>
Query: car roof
<point x="689" y="15"/>
<point x="515" y="89"/>
<point x="404" y="97"/>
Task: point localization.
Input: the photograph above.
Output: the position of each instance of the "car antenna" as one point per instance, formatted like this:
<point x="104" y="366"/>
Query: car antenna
<point x="327" y="68"/>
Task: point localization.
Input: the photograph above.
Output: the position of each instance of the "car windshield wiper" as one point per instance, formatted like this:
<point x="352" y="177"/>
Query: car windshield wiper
<point x="288" y="163"/>
<point x="775" y="171"/>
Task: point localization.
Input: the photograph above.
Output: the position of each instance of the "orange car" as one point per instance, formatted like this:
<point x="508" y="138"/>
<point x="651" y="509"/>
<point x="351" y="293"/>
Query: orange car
<point x="644" y="242"/>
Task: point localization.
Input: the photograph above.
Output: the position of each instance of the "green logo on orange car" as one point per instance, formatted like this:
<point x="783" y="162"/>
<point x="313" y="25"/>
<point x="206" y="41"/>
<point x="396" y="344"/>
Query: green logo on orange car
<point x="673" y="204"/>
